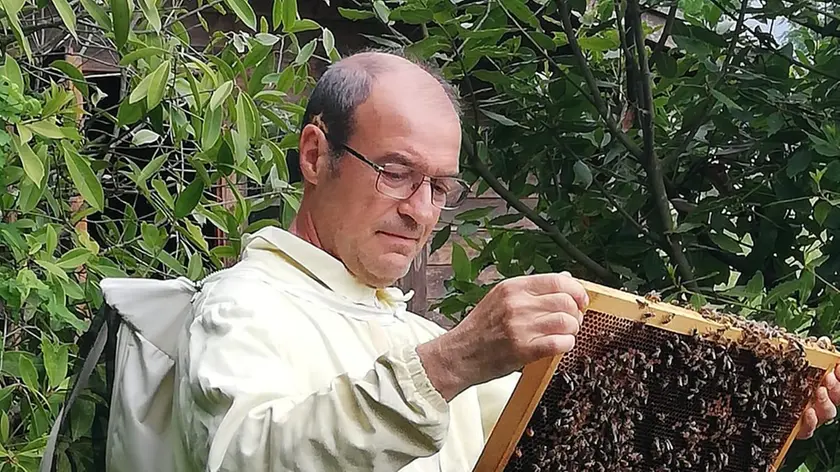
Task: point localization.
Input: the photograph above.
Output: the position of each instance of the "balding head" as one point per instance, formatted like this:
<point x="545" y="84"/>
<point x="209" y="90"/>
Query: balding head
<point x="391" y="112"/>
<point x="349" y="82"/>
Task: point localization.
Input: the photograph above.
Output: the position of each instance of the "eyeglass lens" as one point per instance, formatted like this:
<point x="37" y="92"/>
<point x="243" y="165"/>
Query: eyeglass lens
<point x="399" y="181"/>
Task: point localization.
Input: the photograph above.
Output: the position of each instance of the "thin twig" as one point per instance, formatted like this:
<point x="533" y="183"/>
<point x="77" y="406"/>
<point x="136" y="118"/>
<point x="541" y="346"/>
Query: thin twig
<point x="707" y="107"/>
<point x="666" y="30"/>
<point x="595" y="94"/>
<point x="551" y="230"/>
<point x="651" y="161"/>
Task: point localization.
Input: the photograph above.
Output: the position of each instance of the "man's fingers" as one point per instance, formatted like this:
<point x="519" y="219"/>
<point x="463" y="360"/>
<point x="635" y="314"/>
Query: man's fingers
<point x="833" y="386"/>
<point x="823" y="406"/>
<point x="558" y="303"/>
<point x="809" y="424"/>
<point x="555" y="323"/>
<point x="544" y="284"/>
<point x="552" y="345"/>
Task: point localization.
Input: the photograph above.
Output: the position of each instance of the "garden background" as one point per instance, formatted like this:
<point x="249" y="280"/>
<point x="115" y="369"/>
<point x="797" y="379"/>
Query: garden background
<point x="689" y="147"/>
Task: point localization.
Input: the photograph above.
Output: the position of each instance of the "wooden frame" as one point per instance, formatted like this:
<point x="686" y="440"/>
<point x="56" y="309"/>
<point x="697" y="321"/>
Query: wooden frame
<point x="537" y="375"/>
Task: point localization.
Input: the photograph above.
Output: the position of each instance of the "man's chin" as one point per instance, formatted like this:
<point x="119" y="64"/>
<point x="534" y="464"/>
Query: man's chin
<point x="393" y="266"/>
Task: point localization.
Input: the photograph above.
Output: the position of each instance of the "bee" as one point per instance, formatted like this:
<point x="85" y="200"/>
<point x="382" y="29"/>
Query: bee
<point x="668" y="318"/>
<point x="653" y="296"/>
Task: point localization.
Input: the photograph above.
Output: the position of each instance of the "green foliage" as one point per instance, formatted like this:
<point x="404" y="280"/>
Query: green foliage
<point x="128" y="185"/>
<point x="706" y="169"/>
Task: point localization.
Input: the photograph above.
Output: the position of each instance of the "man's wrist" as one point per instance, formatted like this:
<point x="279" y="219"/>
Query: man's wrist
<point x="440" y="368"/>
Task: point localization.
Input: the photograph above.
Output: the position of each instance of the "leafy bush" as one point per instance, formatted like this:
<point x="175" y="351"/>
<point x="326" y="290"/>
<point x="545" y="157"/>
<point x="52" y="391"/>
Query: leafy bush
<point x="139" y="184"/>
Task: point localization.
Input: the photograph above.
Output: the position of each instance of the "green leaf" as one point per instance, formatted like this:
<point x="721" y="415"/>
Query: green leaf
<point x="521" y="11"/>
<point x="194" y="233"/>
<point x="73" y="73"/>
<point x="306" y="52"/>
<point x="195" y="267"/>
<point x="129" y="113"/>
<point x="68" y="16"/>
<point x="163" y="192"/>
<point x="821" y="211"/>
<point x="4" y="427"/>
<point x="157" y="85"/>
<point x="150" y="11"/>
<point x="17" y="29"/>
<point x="440" y="238"/>
<point x="98" y="14"/>
<point x="756" y="284"/>
<point x="220" y="95"/>
<point x="329" y="41"/>
<point x="142" y="54"/>
<point x="53" y="269"/>
<point x="290" y="14"/>
<point x="798" y="162"/>
<point x="266" y="39"/>
<point x="83" y="178"/>
<point x="144" y="136"/>
<point x="55" y="361"/>
<point x="28" y="373"/>
<point x="382" y="11"/>
<point x="824" y="147"/>
<point x="474" y="213"/>
<point x="211" y="128"/>
<point x="277" y="14"/>
<point x="74" y="258"/>
<point x="52" y="239"/>
<point x="47" y="129"/>
<point x="189" y="198"/>
<point x="352" y="14"/>
<point x="504" y="220"/>
<point x="30" y="194"/>
<point x="12" y="72"/>
<point x="461" y="263"/>
<point x="726" y="242"/>
<point x="732" y="106"/>
<point x="121" y="17"/>
<point x="501" y="119"/>
<point x="32" y="164"/>
<point x="243" y="10"/>
<point x="304" y="25"/>
<point x="782" y="291"/>
<point x="583" y="175"/>
<point x="686" y="227"/>
<point x="598" y="43"/>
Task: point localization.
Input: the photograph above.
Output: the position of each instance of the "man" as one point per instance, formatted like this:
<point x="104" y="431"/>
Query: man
<point x="301" y="357"/>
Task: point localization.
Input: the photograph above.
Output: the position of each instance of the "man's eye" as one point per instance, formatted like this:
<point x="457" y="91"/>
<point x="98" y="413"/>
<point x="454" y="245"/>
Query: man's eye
<point x="395" y="175"/>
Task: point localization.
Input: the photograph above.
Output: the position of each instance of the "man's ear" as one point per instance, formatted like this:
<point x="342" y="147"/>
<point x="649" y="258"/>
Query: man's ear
<point x="314" y="152"/>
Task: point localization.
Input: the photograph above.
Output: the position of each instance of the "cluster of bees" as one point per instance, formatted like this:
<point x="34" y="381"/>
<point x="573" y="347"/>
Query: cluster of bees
<point x="633" y="397"/>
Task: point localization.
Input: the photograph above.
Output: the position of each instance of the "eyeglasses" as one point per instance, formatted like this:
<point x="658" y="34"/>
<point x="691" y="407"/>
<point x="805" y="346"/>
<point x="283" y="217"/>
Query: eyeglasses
<point x="401" y="182"/>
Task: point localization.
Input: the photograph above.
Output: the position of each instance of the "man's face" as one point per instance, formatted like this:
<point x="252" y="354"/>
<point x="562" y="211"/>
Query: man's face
<point x="407" y="119"/>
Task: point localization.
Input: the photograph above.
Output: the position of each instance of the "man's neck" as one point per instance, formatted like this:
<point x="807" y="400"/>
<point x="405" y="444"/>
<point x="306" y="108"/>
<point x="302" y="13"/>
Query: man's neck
<point x="303" y="227"/>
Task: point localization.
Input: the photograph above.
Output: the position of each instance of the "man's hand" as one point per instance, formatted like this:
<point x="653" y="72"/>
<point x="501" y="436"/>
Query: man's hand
<point x="519" y="321"/>
<point x="822" y="407"/>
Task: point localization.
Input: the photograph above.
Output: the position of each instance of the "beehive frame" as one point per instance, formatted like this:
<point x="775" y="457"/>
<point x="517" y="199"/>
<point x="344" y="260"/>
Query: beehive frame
<point x="536" y="376"/>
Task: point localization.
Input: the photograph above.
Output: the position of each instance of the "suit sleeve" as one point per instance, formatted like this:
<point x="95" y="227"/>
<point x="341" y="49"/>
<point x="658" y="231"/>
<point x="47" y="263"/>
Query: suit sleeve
<point x="493" y="396"/>
<point x="249" y="379"/>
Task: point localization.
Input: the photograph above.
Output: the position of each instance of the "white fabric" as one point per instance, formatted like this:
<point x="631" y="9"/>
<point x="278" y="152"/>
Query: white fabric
<point x="287" y="363"/>
<point x="152" y="311"/>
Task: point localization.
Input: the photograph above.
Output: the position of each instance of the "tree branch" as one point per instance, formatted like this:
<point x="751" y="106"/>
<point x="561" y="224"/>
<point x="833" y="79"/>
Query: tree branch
<point x="551" y="230"/>
<point x="485" y="173"/>
<point x="651" y="161"/>
<point x="595" y="94"/>
<point x="666" y="31"/>
<point x="705" y="112"/>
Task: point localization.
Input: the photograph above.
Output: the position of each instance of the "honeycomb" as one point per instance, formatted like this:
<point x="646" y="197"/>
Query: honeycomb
<point x="635" y="397"/>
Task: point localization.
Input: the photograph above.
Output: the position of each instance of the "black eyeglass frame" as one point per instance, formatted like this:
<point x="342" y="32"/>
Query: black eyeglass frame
<point x="379" y="169"/>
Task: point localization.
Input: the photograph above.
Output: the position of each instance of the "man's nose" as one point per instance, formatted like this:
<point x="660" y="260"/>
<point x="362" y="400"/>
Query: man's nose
<point x="419" y="205"/>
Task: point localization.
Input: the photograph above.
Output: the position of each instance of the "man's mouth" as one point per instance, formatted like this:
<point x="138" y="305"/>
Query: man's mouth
<point x="405" y="237"/>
